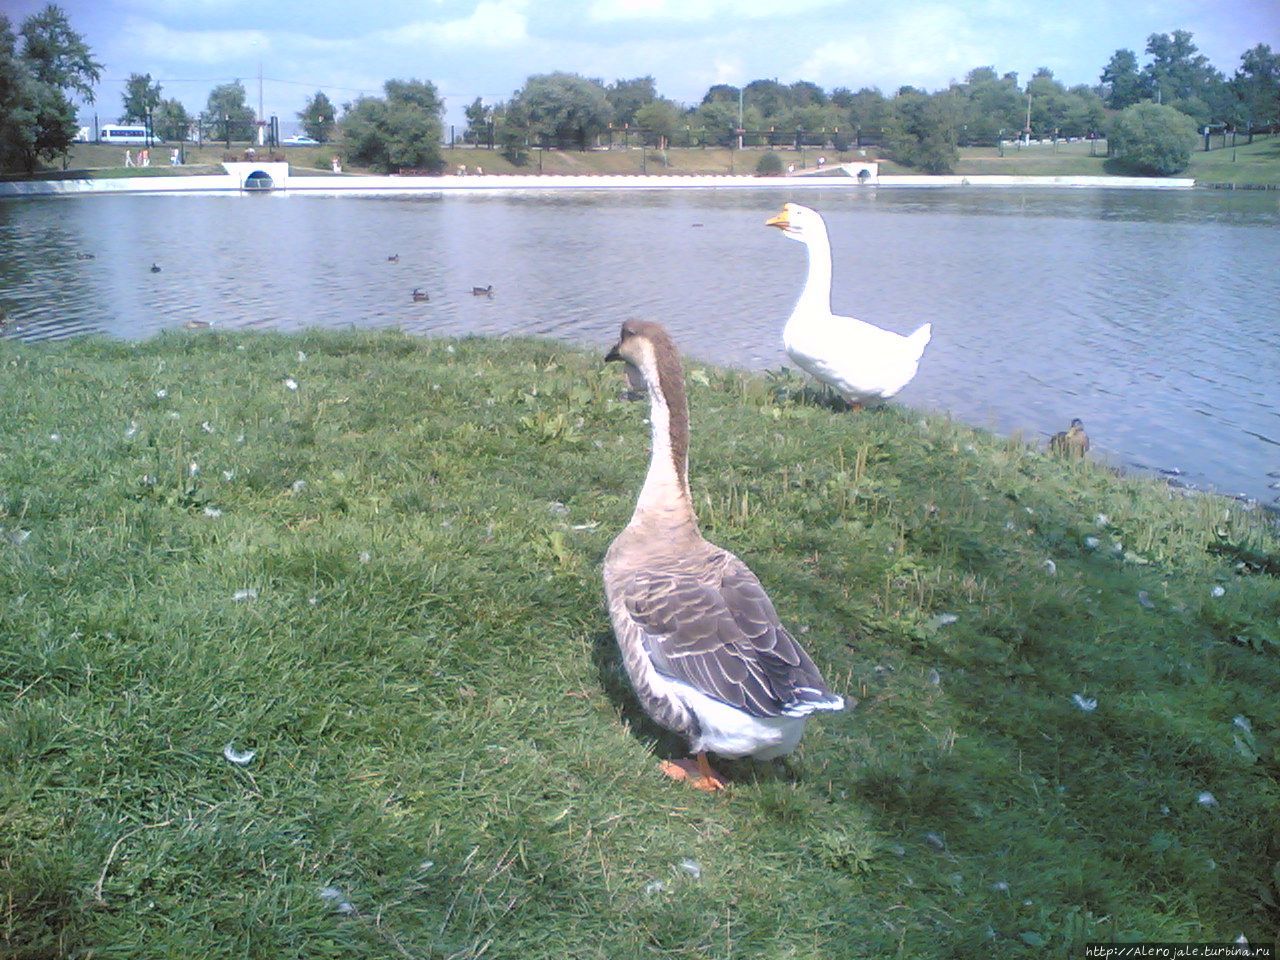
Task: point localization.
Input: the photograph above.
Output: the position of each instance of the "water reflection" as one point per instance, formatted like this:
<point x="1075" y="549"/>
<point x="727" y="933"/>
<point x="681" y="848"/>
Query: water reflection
<point x="1150" y="315"/>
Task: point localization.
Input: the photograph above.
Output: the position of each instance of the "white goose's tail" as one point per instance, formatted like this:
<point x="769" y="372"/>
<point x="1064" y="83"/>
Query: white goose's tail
<point x="810" y="700"/>
<point x="920" y="339"/>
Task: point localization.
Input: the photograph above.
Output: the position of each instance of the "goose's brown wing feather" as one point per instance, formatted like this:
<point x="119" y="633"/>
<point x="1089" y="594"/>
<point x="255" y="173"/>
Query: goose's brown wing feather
<point x="716" y="630"/>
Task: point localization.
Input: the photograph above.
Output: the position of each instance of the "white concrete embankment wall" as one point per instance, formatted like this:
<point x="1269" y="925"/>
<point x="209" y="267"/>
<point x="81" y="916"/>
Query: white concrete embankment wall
<point x="232" y="182"/>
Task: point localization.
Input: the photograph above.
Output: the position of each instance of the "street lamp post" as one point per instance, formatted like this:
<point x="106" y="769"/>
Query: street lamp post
<point x="740" y="92"/>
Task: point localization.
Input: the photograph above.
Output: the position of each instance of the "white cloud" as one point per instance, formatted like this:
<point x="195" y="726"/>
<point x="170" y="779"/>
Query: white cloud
<point x="929" y="48"/>
<point x="690" y="11"/>
<point x="493" y="24"/>
<point x="607" y="11"/>
<point x="146" y="39"/>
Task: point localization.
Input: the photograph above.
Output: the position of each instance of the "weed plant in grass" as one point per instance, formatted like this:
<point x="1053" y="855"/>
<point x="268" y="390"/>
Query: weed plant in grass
<point x="374" y="561"/>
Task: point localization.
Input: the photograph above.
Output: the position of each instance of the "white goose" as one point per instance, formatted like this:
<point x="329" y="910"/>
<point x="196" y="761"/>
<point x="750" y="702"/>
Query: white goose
<point x="700" y="640"/>
<point x="865" y="363"/>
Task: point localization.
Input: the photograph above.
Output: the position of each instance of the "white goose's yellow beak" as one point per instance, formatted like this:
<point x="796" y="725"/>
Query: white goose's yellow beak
<point x="782" y="221"/>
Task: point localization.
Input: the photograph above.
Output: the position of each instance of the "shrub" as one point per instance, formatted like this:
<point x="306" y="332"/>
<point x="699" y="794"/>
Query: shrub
<point x="1151" y="139"/>
<point x="769" y="165"/>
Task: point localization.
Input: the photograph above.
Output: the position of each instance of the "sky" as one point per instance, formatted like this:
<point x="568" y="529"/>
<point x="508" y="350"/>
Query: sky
<point x="487" y="48"/>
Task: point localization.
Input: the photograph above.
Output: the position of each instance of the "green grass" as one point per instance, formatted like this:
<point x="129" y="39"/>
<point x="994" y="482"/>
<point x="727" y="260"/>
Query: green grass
<point x="1256" y="163"/>
<point x="443" y="735"/>
<point x="1253" y="163"/>
<point x="1064" y="160"/>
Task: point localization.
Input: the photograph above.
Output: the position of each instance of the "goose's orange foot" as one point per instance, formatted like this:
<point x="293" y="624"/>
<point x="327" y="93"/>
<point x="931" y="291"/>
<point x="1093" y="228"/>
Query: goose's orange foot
<point x="697" y="772"/>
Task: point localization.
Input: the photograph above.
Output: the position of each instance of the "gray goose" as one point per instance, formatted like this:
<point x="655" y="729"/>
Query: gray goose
<point x="700" y="640"/>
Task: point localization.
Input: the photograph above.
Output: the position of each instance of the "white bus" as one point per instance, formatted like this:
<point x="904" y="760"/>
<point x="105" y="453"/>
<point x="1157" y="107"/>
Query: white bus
<point x="125" y="133"/>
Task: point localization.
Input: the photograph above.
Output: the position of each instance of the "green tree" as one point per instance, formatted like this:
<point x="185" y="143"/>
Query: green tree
<point x="58" y="56"/>
<point x="1151" y="139"/>
<point x="226" y="114"/>
<point x="991" y="106"/>
<point x="627" y="97"/>
<point x="805" y="93"/>
<point x="170" y="120"/>
<point x="17" y="107"/>
<point x="770" y="98"/>
<point x="141" y="97"/>
<point x="721" y="93"/>
<point x="867" y="110"/>
<point x="1256" y="86"/>
<point x="37" y="116"/>
<point x="512" y="131"/>
<point x="1122" y="84"/>
<point x="1049" y="104"/>
<point x="479" y="117"/>
<point x="718" y="121"/>
<point x="660" y="120"/>
<point x="319" y="117"/>
<point x="565" y="109"/>
<point x="1085" y="113"/>
<point x="920" y="131"/>
<point x="819" y="124"/>
<point x="402" y="129"/>
<point x="1178" y="71"/>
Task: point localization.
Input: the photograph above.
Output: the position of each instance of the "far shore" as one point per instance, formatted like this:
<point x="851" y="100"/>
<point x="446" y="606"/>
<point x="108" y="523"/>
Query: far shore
<point x="237" y="176"/>
<point x="91" y="167"/>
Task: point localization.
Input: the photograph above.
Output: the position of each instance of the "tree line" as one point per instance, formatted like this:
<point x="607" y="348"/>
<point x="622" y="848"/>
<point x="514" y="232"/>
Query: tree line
<point x="1175" y="93"/>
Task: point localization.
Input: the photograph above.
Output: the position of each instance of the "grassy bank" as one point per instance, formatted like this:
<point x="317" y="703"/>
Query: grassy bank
<point x="1256" y="163"/>
<point x="374" y="560"/>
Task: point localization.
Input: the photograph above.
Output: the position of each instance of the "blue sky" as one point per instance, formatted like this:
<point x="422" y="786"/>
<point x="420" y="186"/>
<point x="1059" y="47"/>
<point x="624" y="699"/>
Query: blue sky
<point x="487" y="48"/>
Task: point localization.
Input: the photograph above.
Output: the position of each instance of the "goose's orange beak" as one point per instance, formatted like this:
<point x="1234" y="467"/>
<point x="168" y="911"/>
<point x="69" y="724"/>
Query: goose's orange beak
<point x="781" y="221"/>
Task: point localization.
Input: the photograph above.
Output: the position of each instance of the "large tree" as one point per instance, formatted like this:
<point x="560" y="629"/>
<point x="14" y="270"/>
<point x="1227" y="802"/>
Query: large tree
<point x="141" y="97"/>
<point x="479" y="122"/>
<point x="565" y="109"/>
<point x="867" y="110"/>
<point x="170" y="120"/>
<point x="626" y="97"/>
<point x="57" y="55"/>
<point x="1178" y="71"/>
<point x="319" y="117"/>
<point x="512" y="130"/>
<point x="660" y="120"/>
<point x="1122" y="84"/>
<point x="817" y="124"/>
<point x="991" y="106"/>
<point x="717" y="122"/>
<point x="1257" y="87"/>
<point x="17" y="130"/>
<point x="920" y="131"/>
<point x="404" y="129"/>
<point x="226" y="115"/>
<point x="38" y="73"/>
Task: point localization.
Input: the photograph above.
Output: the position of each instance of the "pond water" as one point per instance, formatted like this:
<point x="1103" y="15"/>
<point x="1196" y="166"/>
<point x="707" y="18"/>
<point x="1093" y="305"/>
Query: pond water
<point x="1154" y="316"/>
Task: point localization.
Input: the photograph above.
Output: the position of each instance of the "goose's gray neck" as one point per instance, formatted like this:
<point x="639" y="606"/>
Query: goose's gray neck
<point x="665" y="500"/>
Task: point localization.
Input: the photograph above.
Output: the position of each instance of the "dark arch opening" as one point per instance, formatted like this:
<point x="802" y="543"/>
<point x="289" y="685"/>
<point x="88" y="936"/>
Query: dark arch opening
<point x="258" y="180"/>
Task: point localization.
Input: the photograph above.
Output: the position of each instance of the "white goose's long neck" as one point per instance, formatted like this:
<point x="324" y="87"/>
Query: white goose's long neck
<point x="665" y="500"/>
<point x="815" y="298"/>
